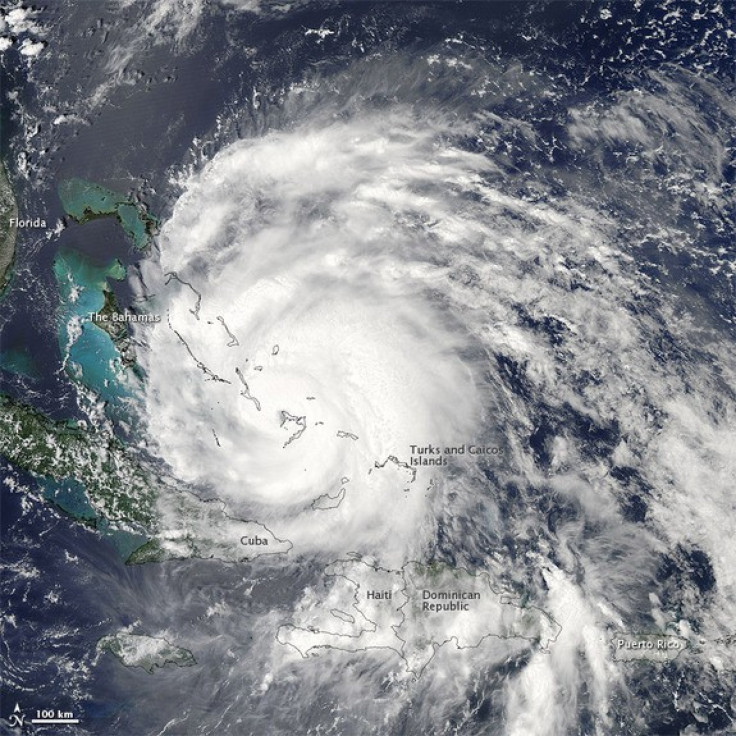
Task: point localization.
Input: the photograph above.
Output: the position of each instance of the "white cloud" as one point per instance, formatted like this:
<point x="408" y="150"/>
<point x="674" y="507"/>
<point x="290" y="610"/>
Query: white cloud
<point x="292" y="242"/>
<point x="31" y="48"/>
<point x="392" y="268"/>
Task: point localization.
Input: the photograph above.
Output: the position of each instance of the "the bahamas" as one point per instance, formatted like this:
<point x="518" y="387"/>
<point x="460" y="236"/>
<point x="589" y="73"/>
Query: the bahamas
<point x="123" y="317"/>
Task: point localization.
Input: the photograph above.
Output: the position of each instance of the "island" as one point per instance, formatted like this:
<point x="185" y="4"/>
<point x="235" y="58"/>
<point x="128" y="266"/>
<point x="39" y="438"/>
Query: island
<point x="93" y="477"/>
<point x="146" y="652"/>
<point x="414" y="611"/>
<point x="107" y="319"/>
<point x="647" y="647"/>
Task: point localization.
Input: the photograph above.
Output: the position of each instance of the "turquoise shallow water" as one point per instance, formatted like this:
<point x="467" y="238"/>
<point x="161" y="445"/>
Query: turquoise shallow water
<point x="84" y="200"/>
<point x="125" y="542"/>
<point x="92" y="357"/>
<point x="18" y="360"/>
<point x="70" y="496"/>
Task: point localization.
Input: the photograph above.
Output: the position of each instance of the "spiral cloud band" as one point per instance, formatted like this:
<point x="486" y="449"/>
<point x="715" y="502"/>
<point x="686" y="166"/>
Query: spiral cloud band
<point x="355" y="299"/>
<point x="313" y="348"/>
<point x="368" y="367"/>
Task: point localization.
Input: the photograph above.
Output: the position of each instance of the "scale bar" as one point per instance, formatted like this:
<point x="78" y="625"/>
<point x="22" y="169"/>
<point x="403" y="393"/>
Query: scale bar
<point x="54" y="720"/>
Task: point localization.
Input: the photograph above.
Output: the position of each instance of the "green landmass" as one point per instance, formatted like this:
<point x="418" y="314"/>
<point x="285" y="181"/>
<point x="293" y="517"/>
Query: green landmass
<point x="117" y="489"/>
<point x="8" y="210"/>
<point x="147" y="652"/>
<point x="116" y="330"/>
<point x="94" y="478"/>
<point x="203" y="529"/>
<point x="84" y="201"/>
<point x="151" y="551"/>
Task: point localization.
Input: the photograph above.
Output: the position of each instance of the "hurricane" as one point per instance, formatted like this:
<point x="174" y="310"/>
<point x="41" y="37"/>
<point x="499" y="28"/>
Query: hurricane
<point x="372" y="373"/>
<point x="373" y="281"/>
